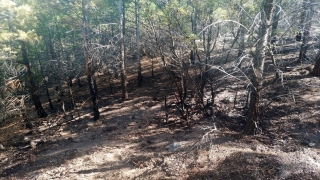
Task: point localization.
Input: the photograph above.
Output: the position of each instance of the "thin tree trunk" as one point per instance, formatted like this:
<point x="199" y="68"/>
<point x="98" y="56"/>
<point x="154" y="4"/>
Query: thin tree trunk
<point x="194" y="31"/>
<point x="316" y="68"/>
<point x="46" y="85"/>
<point x="89" y="68"/>
<point x="306" y="22"/>
<point x="276" y="18"/>
<point x="258" y="67"/>
<point x="241" y="34"/>
<point x="208" y="46"/>
<point x="122" y="52"/>
<point x="33" y="90"/>
<point x="57" y="77"/>
<point x="241" y="43"/>
<point x="137" y="8"/>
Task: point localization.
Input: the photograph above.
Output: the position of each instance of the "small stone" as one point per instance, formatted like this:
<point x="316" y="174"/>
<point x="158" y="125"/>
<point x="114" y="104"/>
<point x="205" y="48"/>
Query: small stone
<point x="2" y="147"/>
<point x="35" y="142"/>
<point x="174" y="146"/>
<point x="26" y="138"/>
<point x="312" y="144"/>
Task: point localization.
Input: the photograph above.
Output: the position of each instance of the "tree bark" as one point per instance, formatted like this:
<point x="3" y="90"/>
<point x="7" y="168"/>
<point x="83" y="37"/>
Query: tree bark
<point x="33" y="90"/>
<point x="122" y="53"/>
<point x="194" y="17"/>
<point x="316" y="68"/>
<point x="137" y="12"/>
<point x="276" y="18"/>
<point x="89" y="67"/>
<point x="45" y="85"/>
<point x="306" y="22"/>
<point x="258" y="66"/>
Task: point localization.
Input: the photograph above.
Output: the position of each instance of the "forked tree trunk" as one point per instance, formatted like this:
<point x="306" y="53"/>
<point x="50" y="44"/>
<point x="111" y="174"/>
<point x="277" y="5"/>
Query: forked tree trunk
<point x="258" y="66"/>
<point x="33" y="90"/>
<point x="89" y="68"/>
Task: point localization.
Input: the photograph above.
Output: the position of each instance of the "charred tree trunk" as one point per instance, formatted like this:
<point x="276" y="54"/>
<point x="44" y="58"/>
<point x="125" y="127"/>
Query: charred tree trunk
<point x="258" y="67"/>
<point x="46" y="85"/>
<point x="253" y="110"/>
<point x="208" y="45"/>
<point x="33" y="90"/>
<point x="79" y="82"/>
<point x="89" y="67"/>
<point x="316" y="68"/>
<point x="73" y="102"/>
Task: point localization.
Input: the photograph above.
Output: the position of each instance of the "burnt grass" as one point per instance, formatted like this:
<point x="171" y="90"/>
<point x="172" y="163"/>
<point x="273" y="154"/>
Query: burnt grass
<point x="288" y="121"/>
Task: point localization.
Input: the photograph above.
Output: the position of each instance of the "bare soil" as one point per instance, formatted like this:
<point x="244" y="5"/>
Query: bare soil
<point x="132" y="141"/>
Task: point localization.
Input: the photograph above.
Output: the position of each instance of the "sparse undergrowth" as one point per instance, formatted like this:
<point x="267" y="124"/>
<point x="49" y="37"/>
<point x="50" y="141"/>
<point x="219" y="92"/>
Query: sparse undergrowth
<point x="130" y="141"/>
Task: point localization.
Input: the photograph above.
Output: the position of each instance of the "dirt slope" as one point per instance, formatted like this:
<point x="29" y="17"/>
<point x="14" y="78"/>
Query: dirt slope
<point x="130" y="141"/>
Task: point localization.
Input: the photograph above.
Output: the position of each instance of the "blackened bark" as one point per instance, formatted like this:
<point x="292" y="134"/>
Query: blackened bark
<point x="49" y="99"/>
<point x="316" y="68"/>
<point x="111" y="85"/>
<point x="93" y="92"/>
<point x="89" y="67"/>
<point x="192" y="56"/>
<point x="122" y="51"/>
<point x="46" y="86"/>
<point x="194" y="24"/>
<point x="79" y="82"/>
<point x="33" y="90"/>
<point x="258" y="67"/>
<point x="253" y="110"/>
<point x="70" y="81"/>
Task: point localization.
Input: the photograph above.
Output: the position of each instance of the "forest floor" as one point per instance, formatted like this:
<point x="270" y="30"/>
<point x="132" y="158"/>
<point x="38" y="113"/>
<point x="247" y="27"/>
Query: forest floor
<point x="132" y="141"/>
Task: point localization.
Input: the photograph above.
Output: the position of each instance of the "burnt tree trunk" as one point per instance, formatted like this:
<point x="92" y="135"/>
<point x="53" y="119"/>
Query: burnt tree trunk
<point x="258" y="67"/>
<point x="89" y="67"/>
<point x="316" y="68"/>
<point x="33" y="89"/>
<point x="45" y="83"/>
<point x="253" y="110"/>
